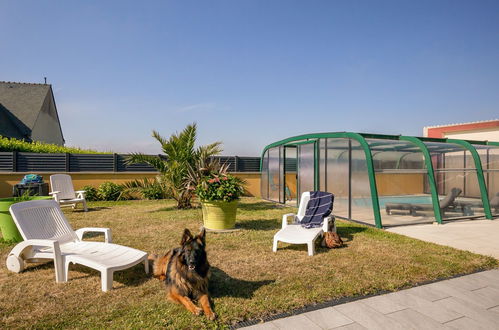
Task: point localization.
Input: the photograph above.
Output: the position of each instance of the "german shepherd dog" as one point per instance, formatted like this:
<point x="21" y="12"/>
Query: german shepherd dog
<point x="185" y="271"/>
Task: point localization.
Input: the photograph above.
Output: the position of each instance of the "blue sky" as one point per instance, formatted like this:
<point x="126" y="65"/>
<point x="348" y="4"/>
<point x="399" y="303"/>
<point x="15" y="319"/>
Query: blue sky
<point x="253" y="72"/>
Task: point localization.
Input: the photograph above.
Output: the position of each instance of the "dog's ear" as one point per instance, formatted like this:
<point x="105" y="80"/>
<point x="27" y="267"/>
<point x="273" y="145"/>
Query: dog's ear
<point x="186" y="236"/>
<point x="202" y="235"/>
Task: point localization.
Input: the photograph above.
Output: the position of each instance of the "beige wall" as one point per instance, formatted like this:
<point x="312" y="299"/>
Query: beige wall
<point x="8" y="180"/>
<point x="389" y="184"/>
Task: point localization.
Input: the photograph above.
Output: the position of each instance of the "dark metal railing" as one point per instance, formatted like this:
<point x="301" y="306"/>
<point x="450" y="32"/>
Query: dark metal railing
<point x="44" y="162"/>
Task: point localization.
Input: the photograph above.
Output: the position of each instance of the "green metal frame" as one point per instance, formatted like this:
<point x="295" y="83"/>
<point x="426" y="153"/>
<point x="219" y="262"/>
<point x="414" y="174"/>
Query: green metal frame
<point x="431" y="174"/>
<point x="367" y="151"/>
<point x="479" y="172"/>
<point x="418" y="142"/>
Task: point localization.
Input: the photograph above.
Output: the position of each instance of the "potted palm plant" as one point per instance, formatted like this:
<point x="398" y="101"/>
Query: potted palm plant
<point x="180" y="156"/>
<point x="219" y="195"/>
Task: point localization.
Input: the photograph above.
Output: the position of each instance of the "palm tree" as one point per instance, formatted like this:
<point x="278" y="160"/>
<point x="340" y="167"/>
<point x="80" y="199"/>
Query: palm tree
<point x="181" y="155"/>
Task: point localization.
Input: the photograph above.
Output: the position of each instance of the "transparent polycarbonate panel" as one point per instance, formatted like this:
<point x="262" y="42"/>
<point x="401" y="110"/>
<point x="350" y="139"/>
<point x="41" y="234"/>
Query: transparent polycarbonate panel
<point x="306" y="167"/>
<point x="338" y="175"/>
<point x="489" y="156"/>
<point x="322" y="165"/>
<point x="362" y="209"/>
<point x="264" y="176"/>
<point x="290" y="164"/>
<point x="395" y="155"/>
<point x="453" y="168"/>
<point x="401" y="173"/>
<point x="274" y="176"/>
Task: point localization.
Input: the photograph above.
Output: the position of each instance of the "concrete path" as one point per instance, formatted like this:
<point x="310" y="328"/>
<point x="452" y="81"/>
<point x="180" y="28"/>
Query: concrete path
<point x="479" y="236"/>
<point x="467" y="302"/>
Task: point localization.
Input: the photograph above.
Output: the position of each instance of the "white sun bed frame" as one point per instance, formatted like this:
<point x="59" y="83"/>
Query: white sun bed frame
<point x="294" y="233"/>
<point x="64" y="193"/>
<point x="48" y="236"/>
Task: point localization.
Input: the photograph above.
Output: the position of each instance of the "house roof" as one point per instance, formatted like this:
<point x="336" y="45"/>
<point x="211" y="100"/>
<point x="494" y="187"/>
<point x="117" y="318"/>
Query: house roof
<point x="11" y="126"/>
<point x="20" y="106"/>
<point x="23" y="100"/>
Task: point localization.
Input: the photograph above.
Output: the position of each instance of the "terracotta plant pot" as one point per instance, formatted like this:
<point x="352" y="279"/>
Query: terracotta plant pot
<point x="219" y="215"/>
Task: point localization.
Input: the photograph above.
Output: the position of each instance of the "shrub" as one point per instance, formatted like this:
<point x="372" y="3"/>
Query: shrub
<point x="154" y="192"/>
<point x="10" y="144"/>
<point x="91" y="193"/>
<point x="109" y="191"/>
<point x="219" y="187"/>
<point x="147" y="188"/>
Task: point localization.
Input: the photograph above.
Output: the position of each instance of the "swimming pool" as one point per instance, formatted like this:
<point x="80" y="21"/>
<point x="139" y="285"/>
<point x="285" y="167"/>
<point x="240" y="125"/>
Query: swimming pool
<point x="411" y="199"/>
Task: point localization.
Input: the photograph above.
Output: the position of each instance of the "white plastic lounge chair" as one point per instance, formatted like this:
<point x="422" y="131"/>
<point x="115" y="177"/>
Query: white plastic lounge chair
<point x="294" y="233"/>
<point x="64" y="192"/>
<point x="48" y="236"/>
<point x="446" y="204"/>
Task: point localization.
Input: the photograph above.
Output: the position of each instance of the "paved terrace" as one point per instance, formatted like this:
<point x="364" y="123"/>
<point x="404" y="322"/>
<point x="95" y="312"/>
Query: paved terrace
<point x="467" y="302"/>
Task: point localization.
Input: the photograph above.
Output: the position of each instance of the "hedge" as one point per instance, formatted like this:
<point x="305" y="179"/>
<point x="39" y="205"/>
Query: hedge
<point x="10" y="144"/>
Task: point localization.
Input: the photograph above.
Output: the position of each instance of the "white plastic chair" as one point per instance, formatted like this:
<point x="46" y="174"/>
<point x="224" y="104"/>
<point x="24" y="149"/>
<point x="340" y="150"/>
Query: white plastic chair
<point x="64" y="192"/>
<point x="294" y="233"/>
<point x="48" y="236"/>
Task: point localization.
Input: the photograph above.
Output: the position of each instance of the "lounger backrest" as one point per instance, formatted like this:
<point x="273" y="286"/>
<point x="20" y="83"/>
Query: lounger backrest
<point x="305" y="198"/>
<point x="449" y="199"/>
<point x="319" y="207"/>
<point x="42" y="220"/>
<point x="305" y="201"/>
<point x="63" y="184"/>
<point x="494" y="202"/>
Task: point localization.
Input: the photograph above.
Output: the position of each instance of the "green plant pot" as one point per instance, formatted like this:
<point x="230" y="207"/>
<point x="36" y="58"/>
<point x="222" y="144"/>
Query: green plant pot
<point x="7" y="224"/>
<point x="219" y="215"/>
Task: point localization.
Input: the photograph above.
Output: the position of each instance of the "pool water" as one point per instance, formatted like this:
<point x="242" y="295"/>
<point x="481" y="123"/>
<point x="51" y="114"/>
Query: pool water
<point x="412" y="199"/>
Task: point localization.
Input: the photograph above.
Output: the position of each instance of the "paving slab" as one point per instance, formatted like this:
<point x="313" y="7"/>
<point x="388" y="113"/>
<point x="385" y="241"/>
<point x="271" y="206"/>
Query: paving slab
<point x="383" y="304"/>
<point x="263" y="326"/>
<point x="427" y="293"/>
<point x="353" y="326"/>
<point x="412" y="319"/>
<point x="367" y="316"/>
<point x="478" y="236"/>
<point x="471" y="297"/>
<point x="466" y="302"/>
<point x="494" y="309"/>
<point x="484" y="317"/>
<point x="297" y="322"/>
<point x="429" y="308"/>
<point x="328" y="318"/>
<point x="465" y="323"/>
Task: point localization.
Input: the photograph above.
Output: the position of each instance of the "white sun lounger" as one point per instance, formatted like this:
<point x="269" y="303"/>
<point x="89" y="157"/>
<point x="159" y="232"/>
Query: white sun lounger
<point x="294" y="233"/>
<point x="48" y="236"/>
<point x="64" y="192"/>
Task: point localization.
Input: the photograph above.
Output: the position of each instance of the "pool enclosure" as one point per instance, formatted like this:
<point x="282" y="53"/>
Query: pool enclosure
<point x="386" y="180"/>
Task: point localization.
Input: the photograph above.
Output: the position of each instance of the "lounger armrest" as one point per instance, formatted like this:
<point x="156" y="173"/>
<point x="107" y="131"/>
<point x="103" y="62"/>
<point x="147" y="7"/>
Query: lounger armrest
<point x="285" y="219"/>
<point x="54" y="194"/>
<point x="59" y="270"/>
<point x="329" y="222"/>
<point x="107" y="233"/>
<point x="80" y="193"/>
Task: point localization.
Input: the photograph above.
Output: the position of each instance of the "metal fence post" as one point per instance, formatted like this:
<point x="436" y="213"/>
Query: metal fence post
<point x="115" y="162"/>
<point x="14" y="161"/>
<point x="67" y="162"/>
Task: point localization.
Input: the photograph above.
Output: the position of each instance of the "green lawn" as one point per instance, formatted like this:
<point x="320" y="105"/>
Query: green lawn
<point x="248" y="280"/>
